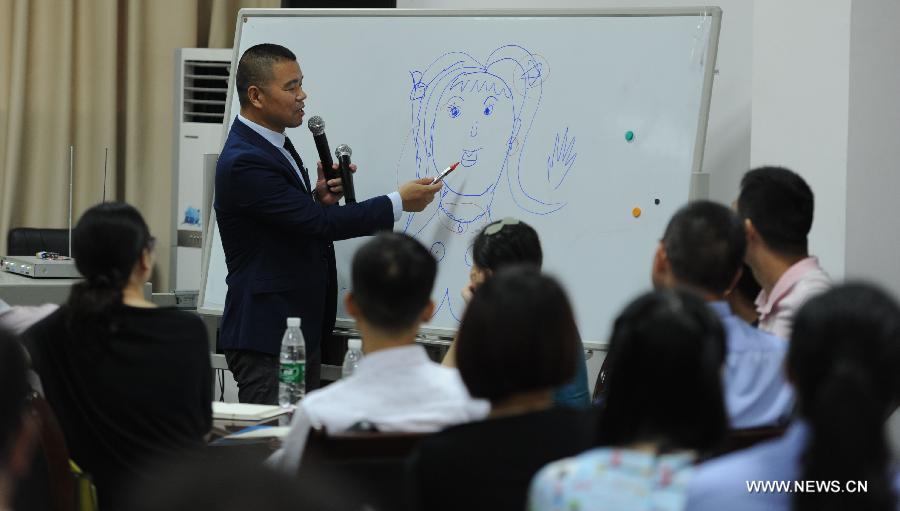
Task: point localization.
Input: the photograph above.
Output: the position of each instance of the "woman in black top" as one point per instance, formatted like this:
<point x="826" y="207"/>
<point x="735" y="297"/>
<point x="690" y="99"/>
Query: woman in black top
<point x="129" y="382"/>
<point x="517" y="342"/>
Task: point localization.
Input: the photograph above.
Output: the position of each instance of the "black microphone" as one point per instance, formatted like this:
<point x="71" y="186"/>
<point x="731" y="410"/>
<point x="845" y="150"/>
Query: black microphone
<point x="317" y="127"/>
<point x="342" y="153"/>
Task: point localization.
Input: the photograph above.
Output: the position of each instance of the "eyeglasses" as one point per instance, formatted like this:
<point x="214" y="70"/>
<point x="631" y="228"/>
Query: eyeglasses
<point x="498" y="226"/>
<point x="151" y="242"/>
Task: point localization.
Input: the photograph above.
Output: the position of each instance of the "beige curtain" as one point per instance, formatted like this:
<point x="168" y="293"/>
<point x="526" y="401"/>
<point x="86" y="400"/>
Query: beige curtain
<point x="96" y="74"/>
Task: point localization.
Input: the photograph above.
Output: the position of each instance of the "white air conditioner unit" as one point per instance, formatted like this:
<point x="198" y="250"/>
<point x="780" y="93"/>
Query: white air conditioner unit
<point x="201" y="91"/>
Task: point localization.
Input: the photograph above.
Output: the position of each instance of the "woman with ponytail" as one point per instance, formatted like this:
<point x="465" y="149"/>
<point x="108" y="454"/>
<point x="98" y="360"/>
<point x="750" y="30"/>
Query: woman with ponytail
<point x="663" y="409"/>
<point x="128" y="381"/>
<point x="844" y="360"/>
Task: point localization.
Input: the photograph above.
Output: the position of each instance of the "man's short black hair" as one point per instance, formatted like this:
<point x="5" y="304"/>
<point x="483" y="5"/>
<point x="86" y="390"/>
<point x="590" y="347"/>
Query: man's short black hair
<point x="393" y="275"/>
<point x="255" y="67"/>
<point x="518" y="335"/>
<point x="13" y="392"/>
<point x="780" y="205"/>
<point x="705" y="245"/>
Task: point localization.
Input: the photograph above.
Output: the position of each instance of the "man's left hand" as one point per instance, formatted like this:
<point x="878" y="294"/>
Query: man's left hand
<point x="332" y="190"/>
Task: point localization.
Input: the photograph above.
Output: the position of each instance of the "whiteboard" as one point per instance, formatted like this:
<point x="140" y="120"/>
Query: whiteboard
<point x="586" y="125"/>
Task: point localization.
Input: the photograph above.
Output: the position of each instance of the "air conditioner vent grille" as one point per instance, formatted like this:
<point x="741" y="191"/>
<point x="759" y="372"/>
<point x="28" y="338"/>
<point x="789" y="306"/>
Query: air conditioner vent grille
<point x="205" y="91"/>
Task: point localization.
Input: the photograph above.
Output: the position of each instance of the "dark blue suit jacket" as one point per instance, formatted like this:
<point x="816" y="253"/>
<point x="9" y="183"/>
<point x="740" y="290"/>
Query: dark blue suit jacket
<point x="275" y="236"/>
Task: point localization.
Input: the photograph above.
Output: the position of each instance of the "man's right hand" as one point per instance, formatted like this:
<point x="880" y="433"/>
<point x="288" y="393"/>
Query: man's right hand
<point x="418" y="194"/>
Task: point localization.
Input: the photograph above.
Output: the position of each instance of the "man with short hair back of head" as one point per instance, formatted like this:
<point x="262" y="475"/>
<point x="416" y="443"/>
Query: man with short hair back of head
<point x="776" y="206"/>
<point x="277" y="226"/>
<point x="396" y="386"/>
<point x="702" y="250"/>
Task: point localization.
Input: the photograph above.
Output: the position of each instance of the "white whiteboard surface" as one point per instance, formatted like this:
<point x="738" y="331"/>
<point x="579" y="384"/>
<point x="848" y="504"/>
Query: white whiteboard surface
<point x="537" y="105"/>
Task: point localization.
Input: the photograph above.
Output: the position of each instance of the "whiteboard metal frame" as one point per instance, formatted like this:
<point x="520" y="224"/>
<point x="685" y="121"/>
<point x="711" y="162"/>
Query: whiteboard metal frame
<point x="713" y="12"/>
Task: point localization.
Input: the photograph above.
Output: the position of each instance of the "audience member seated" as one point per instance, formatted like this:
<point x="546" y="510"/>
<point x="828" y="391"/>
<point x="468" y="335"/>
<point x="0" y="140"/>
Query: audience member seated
<point x="743" y="297"/>
<point x="663" y="408"/>
<point x="516" y="344"/>
<point x="701" y="251"/>
<point x="513" y="242"/>
<point x="396" y="386"/>
<point x="777" y="208"/>
<point x="843" y="359"/>
<point x="128" y="381"/>
<point x="17" y="436"/>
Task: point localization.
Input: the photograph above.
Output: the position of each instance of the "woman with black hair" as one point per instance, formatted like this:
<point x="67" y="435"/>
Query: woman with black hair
<point x="129" y="382"/>
<point x="510" y="242"/>
<point x="844" y="360"/>
<point x="516" y="343"/>
<point x="663" y="408"/>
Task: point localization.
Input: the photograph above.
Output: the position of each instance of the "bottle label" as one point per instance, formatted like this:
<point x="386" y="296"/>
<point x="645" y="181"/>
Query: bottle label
<point x="292" y="372"/>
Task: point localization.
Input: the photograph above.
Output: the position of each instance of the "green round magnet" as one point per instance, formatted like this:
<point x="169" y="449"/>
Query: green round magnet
<point x="629" y="136"/>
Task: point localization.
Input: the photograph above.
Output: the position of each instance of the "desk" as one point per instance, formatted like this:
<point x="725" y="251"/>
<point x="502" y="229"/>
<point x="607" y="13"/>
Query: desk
<point x="255" y="450"/>
<point x="20" y="290"/>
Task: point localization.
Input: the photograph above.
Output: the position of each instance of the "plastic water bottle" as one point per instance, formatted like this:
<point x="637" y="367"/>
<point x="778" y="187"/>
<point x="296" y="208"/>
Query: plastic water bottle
<point x="352" y="358"/>
<point x="292" y="373"/>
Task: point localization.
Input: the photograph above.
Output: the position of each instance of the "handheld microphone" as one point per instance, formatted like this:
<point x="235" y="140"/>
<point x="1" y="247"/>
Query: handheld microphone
<point x="317" y="127"/>
<point x="342" y="153"/>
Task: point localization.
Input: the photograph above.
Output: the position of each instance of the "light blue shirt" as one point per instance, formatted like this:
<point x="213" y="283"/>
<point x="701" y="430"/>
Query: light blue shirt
<point x="722" y="483"/>
<point x="753" y="380"/>
<point x="609" y="479"/>
<point x="277" y="140"/>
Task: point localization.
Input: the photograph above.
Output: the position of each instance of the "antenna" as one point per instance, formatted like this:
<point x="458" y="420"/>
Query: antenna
<point x="71" y="175"/>
<point x="105" y="159"/>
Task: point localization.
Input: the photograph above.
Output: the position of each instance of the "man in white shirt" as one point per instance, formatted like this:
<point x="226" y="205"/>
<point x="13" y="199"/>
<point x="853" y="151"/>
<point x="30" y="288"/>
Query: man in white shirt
<point x="396" y="387"/>
<point x="776" y="205"/>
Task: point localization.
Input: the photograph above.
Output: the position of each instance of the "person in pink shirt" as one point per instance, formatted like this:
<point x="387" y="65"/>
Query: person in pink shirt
<point x="777" y="207"/>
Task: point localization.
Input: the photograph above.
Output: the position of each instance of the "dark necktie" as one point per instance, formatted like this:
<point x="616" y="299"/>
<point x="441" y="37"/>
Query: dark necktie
<point x="290" y="147"/>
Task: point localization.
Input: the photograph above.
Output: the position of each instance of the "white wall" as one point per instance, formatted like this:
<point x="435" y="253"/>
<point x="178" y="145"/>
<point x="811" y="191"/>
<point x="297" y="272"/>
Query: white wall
<point x="873" y="167"/>
<point x="801" y="64"/>
<point x="873" y="154"/>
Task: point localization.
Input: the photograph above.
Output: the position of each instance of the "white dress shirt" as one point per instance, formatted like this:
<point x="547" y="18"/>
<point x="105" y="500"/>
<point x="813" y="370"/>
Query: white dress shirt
<point x="277" y="140"/>
<point x="395" y="389"/>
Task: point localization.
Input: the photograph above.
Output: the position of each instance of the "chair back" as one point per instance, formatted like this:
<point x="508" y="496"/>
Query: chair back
<point x="371" y="465"/>
<point x="27" y="241"/>
<point x="738" y="439"/>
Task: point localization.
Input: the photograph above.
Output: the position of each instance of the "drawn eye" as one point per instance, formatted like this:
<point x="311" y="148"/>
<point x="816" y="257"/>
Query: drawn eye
<point x="488" y="110"/>
<point x="454" y="111"/>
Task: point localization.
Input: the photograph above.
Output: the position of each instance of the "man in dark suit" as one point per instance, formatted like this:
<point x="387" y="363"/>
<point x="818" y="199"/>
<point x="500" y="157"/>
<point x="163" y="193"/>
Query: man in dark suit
<point x="277" y="225"/>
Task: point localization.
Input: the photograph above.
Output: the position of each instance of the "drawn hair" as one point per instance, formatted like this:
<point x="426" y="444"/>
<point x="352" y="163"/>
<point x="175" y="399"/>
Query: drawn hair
<point x="522" y="74"/>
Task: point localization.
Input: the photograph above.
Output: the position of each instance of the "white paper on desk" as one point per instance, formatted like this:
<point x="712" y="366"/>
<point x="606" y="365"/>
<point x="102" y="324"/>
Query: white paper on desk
<point x="245" y="411"/>
<point x="263" y="432"/>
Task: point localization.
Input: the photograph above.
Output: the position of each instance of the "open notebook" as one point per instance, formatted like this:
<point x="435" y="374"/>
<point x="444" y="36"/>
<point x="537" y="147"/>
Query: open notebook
<point x="245" y="411"/>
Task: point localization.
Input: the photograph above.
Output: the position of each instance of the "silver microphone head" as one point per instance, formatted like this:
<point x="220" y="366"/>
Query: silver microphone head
<point x="342" y="150"/>
<point x="316" y="125"/>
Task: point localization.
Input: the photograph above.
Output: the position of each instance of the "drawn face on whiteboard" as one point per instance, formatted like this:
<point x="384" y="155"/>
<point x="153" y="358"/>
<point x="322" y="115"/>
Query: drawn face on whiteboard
<point x="478" y="111"/>
<point x="473" y="125"/>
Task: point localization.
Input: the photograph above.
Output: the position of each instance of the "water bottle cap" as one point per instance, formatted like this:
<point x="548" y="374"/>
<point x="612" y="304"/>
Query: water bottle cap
<point x="293" y="322"/>
<point x="354" y="344"/>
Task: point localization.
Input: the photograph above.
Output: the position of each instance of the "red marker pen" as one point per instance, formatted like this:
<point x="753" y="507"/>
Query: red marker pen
<point x="445" y="173"/>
